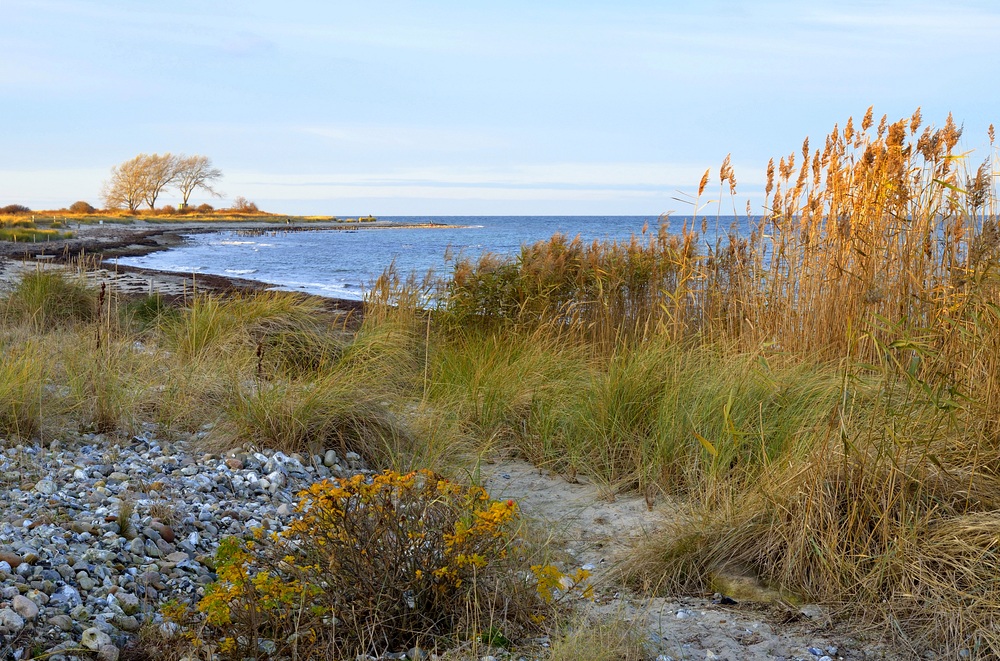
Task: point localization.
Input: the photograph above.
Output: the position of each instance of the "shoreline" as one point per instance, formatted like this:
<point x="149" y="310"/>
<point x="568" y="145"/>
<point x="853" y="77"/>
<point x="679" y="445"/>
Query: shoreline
<point x="106" y="242"/>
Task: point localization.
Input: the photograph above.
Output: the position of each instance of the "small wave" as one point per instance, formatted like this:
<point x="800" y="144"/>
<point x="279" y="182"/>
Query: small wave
<point x="241" y="271"/>
<point x="235" y="243"/>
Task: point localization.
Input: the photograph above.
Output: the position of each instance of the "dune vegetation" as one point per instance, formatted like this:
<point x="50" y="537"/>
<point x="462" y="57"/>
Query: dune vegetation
<point x="823" y="395"/>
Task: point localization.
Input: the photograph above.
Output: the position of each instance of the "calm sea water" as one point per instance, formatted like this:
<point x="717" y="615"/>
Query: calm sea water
<point x="343" y="263"/>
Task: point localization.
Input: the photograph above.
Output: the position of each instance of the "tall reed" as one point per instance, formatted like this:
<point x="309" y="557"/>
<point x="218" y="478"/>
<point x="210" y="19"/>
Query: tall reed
<point x="883" y="225"/>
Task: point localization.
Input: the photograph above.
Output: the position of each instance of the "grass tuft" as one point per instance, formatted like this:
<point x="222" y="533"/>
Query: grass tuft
<point x="47" y="298"/>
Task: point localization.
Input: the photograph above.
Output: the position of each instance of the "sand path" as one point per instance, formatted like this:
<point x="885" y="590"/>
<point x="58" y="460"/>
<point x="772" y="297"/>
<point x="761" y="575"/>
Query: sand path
<point x="595" y="531"/>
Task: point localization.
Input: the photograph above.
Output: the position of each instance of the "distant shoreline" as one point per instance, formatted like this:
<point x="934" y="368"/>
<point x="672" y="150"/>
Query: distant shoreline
<point x="106" y="242"/>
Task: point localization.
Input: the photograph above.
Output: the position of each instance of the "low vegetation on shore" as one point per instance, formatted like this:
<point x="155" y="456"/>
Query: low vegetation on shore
<point x="19" y="224"/>
<point x="824" y="395"/>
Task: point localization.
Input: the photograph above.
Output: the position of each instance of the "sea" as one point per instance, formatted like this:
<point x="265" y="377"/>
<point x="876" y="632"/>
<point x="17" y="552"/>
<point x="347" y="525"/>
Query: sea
<point x="343" y="263"/>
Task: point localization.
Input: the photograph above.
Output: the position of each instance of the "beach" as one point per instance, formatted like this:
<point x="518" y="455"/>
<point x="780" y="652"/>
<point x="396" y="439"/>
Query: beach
<point x="94" y="247"/>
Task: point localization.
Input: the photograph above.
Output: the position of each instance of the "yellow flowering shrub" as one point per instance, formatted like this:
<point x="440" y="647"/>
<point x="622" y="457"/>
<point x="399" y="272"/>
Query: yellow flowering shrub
<point x="377" y="564"/>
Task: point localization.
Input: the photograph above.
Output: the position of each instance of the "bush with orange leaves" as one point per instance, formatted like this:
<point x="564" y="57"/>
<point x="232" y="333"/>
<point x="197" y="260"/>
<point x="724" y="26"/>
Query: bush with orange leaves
<point x="378" y="564"/>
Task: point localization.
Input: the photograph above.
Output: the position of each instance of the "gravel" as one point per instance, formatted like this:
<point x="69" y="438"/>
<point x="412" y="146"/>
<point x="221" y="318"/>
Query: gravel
<point x="71" y="576"/>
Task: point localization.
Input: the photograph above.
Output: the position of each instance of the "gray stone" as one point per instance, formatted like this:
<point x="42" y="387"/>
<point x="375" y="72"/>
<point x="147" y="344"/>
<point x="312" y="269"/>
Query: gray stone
<point x="129" y="602"/>
<point x="127" y="622"/>
<point x="67" y="596"/>
<point x="10" y="622"/>
<point x="46" y="486"/>
<point x="25" y="607"/>
<point x="40" y="598"/>
<point x="177" y="557"/>
<point x="94" y="639"/>
<point x="152" y="550"/>
<point x="137" y="547"/>
<point x="107" y="653"/>
<point x="62" y="621"/>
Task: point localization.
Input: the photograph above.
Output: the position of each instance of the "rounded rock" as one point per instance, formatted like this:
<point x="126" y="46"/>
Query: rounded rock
<point x="46" y="487"/>
<point x="10" y="622"/>
<point x="108" y="653"/>
<point x="166" y="532"/>
<point x="25" y="607"/>
<point x="94" y="639"/>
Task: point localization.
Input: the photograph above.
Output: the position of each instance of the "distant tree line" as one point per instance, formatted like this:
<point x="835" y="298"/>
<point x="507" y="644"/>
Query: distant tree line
<point x="142" y="179"/>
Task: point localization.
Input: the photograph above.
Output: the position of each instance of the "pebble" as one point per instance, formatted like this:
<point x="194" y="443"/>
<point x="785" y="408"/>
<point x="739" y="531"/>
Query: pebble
<point x="66" y="569"/>
<point x="25" y="607"/>
<point x="47" y="487"/>
<point x="108" y="653"/>
<point x="10" y="622"/>
<point x="94" y="639"/>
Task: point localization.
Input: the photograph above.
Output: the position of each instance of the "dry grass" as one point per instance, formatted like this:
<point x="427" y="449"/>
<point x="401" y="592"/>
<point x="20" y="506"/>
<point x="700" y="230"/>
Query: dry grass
<point x="841" y="440"/>
<point x="605" y="639"/>
<point x="22" y="373"/>
<point x="824" y="392"/>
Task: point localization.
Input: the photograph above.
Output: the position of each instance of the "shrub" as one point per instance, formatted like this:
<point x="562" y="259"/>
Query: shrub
<point x="243" y="205"/>
<point x="167" y="209"/>
<point x="81" y="207"/>
<point x="374" y="565"/>
<point x="205" y="208"/>
<point x="14" y="209"/>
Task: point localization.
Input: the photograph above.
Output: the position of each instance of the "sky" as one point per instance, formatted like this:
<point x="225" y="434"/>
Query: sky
<point x="527" y="107"/>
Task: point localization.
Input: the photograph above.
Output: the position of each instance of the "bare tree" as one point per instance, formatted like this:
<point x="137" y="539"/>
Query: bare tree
<point x="127" y="185"/>
<point x="196" y="172"/>
<point x="159" y="172"/>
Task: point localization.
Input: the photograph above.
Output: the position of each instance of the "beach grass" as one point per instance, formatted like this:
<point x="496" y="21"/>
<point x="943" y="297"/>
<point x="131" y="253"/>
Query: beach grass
<point x="823" y="396"/>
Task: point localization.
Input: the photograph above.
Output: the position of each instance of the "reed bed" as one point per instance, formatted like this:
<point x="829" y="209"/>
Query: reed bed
<point x="883" y="225"/>
<point x="824" y="390"/>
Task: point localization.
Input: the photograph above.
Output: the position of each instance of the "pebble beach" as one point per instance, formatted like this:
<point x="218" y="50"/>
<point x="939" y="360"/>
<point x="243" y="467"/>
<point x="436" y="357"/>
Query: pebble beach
<point x="75" y="577"/>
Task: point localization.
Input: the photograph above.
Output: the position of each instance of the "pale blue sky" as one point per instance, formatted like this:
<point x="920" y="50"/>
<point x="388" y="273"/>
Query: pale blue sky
<point x="467" y="107"/>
